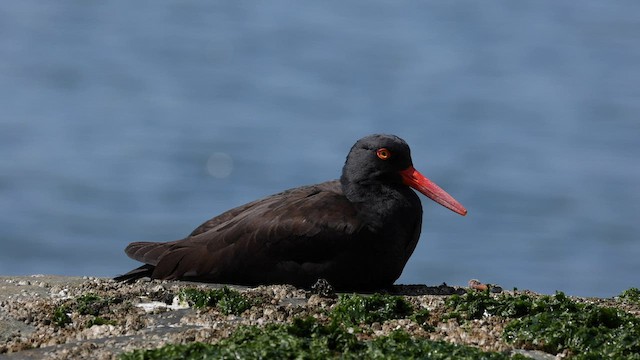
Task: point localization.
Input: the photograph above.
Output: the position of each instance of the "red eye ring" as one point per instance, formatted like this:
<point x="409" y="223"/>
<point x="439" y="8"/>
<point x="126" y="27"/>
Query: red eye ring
<point x="383" y="153"/>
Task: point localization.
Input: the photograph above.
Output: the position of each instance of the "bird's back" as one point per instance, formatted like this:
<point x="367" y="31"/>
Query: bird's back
<point x="293" y="237"/>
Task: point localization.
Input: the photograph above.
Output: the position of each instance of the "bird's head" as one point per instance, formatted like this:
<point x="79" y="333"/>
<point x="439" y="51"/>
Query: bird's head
<point x="386" y="159"/>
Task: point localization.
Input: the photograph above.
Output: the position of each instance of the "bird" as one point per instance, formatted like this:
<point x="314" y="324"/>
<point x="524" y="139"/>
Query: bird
<point x="356" y="232"/>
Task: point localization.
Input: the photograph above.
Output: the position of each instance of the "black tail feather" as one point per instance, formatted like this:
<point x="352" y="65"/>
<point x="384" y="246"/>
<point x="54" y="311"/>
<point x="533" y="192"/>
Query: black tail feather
<point x="143" y="271"/>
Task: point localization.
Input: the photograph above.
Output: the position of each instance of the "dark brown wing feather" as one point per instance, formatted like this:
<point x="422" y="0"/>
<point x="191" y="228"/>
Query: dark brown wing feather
<point x="224" y="217"/>
<point x="289" y="237"/>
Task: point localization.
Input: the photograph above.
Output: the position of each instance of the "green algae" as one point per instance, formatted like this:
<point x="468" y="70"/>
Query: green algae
<point x="92" y="305"/>
<point x="358" y="309"/>
<point x="227" y="300"/>
<point x="98" y="320"/>
<point x="475" y="305"/>
<point x="631" y="295"/>
<point x="556" y="324"/>
<point x="400" y="345"/>
<point x="308" y="339"/>
<point x="60" y="316"/>
<point x="586" y="331"/>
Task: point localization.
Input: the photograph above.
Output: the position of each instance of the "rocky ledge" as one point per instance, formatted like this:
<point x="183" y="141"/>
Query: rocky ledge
<point x="57" y="317"/>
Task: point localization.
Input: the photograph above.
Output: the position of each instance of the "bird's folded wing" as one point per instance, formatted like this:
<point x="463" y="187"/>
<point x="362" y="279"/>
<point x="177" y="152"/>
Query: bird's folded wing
<point x="308" y="224"/>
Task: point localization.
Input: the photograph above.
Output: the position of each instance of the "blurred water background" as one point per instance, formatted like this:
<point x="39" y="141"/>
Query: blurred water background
<point x="123" y="121"/>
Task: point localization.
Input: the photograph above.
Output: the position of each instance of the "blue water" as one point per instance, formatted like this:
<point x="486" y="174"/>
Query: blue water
<point x="123" y="121"/>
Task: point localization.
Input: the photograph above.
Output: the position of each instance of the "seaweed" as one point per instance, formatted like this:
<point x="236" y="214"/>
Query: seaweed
<point x="88" y="305"/>
<point x="587" y="331"/>
<point x="306" y="338"/>
<point x="556" y="324"/>
<point x="631" y="295"/>
<point x="60" y="316"/>
<point x="227" y="300"/>
<point x="358" y="309"/>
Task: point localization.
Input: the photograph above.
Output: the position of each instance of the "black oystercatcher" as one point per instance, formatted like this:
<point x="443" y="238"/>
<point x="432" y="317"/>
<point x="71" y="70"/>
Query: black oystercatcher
<point x="357" y="232"/>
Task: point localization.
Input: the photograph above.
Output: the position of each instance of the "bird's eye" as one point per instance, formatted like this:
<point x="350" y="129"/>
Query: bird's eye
<point x="383" y="153"/>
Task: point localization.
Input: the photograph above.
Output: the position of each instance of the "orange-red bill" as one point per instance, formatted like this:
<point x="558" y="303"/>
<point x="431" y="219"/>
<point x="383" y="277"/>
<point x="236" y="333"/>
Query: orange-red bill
<point x="416" y="180"/>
